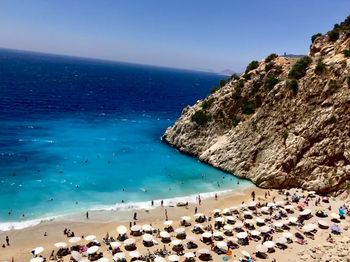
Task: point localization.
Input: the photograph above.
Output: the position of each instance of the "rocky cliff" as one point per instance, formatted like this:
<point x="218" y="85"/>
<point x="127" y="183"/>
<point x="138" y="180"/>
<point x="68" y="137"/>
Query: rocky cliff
<point x="284" y="123"/>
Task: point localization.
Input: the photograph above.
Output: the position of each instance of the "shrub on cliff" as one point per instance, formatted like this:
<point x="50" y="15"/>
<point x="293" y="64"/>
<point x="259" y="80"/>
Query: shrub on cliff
<point x="293" y="85"/>
<point x="248" y="107"/>
<point x="320" y="67"/>
<point x="200" y="117"/>
<point x="206" y="104"/>
<point x="270" y="57"/>
<point x="313" y="38"/>
<point x="235" y="121"/>
<point x="269" y="66"/>
<point x="347" y="53"/>
<point x="271" y="82"/>
<point x="252" y="65"/>
<point x="299" y="68"/>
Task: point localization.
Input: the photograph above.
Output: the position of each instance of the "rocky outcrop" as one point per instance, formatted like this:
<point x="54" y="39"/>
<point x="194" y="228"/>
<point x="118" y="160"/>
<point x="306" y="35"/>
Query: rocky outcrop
<point x="275" y="130"/>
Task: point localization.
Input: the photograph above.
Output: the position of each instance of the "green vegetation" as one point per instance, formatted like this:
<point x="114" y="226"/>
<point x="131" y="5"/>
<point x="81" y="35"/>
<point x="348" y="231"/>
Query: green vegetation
<point x="206" y="104"/>
<point x="347" y="53"/>
<point x="246" y="76"/>
<point x="270" y="57"/>
<point x="223" y="82"/>
<point x="252" y="65"/>
<point x="248" y="107"/>
<point x="294" y="86"/>
<point x="200" y="117"/>
<point x="348" y="81"/>
<point x="238" y="89"/>
<point x="333" y="35"/>
<point x="333" y="119"/>
<point x="313" y="38"/>
<point x="271" y="82"/>
<point x="269" y="66"/>
<point x="320" y="67"/>
<point x="285" y="135"/>
<point x="214" y="90"/>
<point x="235" y="77"/>
<point x="299" y="68"/>
<point x="235" y="121"/>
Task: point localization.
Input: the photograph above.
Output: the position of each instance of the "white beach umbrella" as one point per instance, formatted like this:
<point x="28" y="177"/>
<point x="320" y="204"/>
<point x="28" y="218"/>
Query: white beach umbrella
<point x="159" y="259"/>
<point x="308" y="228"/>
<point x="176" y="242"/>
<point x="334" y="216"/>
<point x="238" y="224"/>
<point x="269" y="244"/>
<point x="289" y="207"/>
<point x="245" y="253"/>
<point x="222" y="245"/>
<point x="271" y="204"/>
<point x="287" y="235"/>
<point x="147" y="237"/>
<point x="249" y="222"/>
<point x="218" y="234"/>
<point x="252" y="204"/>
<point x="180" y="230"/>
<point x="216" y="211"/>
<point x="219" y="219"/>
<point x="255" y="233"/>
<point x="243" y="206"/>
<point x="207" y="234"/>
<point x="292" y="219"/>
<point x="265" y="229"/>
<point x="261" y="248"/>
<point x="173" y="258"/>
<point x="164" y="234"/>
<point x="134" y="254"/>
<point x="84" y="259"/>
<point x="168" y="223"/>
<point x="226" y="211"/>
<point x="203" y="251"/>
<point x="122" y="230"/>
<point x="242" y="235"/>
<point x="228" y="227"/>
<point x="186" y="218"/>
<point x="115" y="244"/>
<point x="189" y="255"/>
<point x="92" y="250"/>
<point x="37" y="259"/>
<point x="90" y="237"/>
<point x="136" y="228"/>
<point x="103" y="259"/>
<point x="76" y="255"/>
<point x="198" y="215"/>
<point x="323" y="223"/>
<point x="37" y="250"/>
<point x="265" y="210"/>
<point x="118" y="256"/>
<point x="259" y="220"/>
<point x="234" y="208"/>
<point x="61" y="245"/>
<point x="147" y="228"/>
<point x="74" y="239"/>
<point x="305" y="212"/>
<point x="281" y="240"/>
<point x="129" y="242"/>
<point x="277" y="224"/>
<point x="198" y="226"/>
<point x="230" y="219"/>
<point x="248" y="213"/>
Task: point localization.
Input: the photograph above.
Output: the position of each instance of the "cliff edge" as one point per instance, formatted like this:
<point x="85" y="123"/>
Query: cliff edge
<point x="284" y="123"/>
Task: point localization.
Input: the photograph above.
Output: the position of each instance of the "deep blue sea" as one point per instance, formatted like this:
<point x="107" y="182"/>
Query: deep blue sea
<point x="78" y="133"/>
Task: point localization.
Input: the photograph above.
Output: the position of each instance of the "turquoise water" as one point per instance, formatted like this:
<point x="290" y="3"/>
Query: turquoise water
<point x="73" y="146"/>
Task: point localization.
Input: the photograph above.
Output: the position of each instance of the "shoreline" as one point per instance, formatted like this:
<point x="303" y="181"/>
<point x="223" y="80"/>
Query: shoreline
<point x="107" y="213"/>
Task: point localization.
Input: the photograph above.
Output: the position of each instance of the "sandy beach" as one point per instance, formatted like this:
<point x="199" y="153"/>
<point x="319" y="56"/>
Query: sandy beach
<point x="23" y="241"/>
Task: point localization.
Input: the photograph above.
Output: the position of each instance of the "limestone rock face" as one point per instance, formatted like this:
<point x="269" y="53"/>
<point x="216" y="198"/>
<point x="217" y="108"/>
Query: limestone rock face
<point x="293" y="137"/>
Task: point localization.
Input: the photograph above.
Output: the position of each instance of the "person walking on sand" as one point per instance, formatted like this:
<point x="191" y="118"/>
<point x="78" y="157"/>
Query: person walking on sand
<point x="161" y="203"/>
<point x="195" y="210"/>
<point x="166" y="215"/>
<point x="253" y="195"/>
<point x="7" y="240"/>
<point x="135" y="216"/>
<point x="216" y="196"/>
<point x="87" y="215"/>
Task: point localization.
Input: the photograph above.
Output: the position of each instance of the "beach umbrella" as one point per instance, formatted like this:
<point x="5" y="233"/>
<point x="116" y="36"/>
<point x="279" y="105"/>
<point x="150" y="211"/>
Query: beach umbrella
<point x="76" y="255"/>
<point x="218" y="234"/>
<point x="189" y="255"/>
<point x="255" y="233"/>
<point x="180" y="230"/>
<point x="245" y="253"/>
<point x="60" y="245"/>
<point x="129" y="242"/>
<point x="305" y="212"/>
<point x="115" y="244"/>
<point x="173" y="258"/>
<point x="292" y="220"/>
<point x="234" y="208"/>
<point x="252" y="204"/>
<point x="122" y="230"/>
<point x="36" y="251"/>
<point x="289" y="207"/>
<point x="261" y="248"/>
<point x="308" y="228"/>
<point x="230" y="219"/>
<point x="136" y="228"/>
<point x="216" y="211"/>
<point x="134" y="254"/>
<point x="203" y="251"/>
<point x="219" y="219"/>
<point x="242" y="235"/>
<point x="90" y="237"/>
<point x="186" y="218"/>
<point x="159" y="259"/>
<point x="198" y="215"/>
<point x="119" y="256"/>
<point x="92" y="250"/>
<point x="265" y="210"/>
<point x="243" y="206"/>
<point x="168" y="223"/>
<point x="239" y="224"/>
<point x="323" y="224"/>
<point x="103" y="259"/>
<point x="249" y="222"/>
<point x="37" y="259"/>
<point x="281" y="240"/>
<point x="207" y="234"/>
<point x="287" y="235"/>
<point x="176" y="242"/>
<point x="84" y="259"/>
<point x="164" y="234"/>
<point x="226" y="211"/>
<point x="147" y="228"/>
<point x="334" y="216"/>
<point x="222" y="245"/>
<point x="259" y="220"/>
<point x="269" y="244"/>
<point x="271" y="204"/>
<point x="265" y="229"/>
<point x="74" y="239"/>
<point x="147" y="237"/>
<point x="198" y="226"/>
<point x="228" y="227"/>
<point x="277" y="224"/>
<point x="248" y="213"/>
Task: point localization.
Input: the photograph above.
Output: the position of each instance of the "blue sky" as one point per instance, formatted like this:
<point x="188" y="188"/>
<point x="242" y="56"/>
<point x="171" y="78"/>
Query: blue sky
<point x="210" y="34"/>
